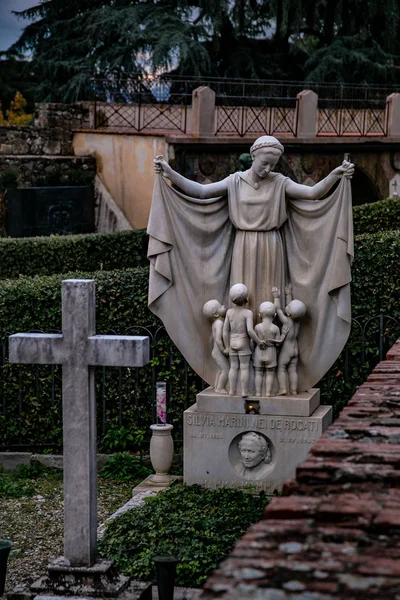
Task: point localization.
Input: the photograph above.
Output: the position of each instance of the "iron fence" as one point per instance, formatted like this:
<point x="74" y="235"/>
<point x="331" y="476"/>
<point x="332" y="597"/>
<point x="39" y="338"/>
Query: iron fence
<point x="352" y="119"/>
<point x="30" y="395"/>
<point x="244" y="120"/>
<point x="142" y="88"/>
<point x="141" y="103"/>
<point x="243" y="106"/>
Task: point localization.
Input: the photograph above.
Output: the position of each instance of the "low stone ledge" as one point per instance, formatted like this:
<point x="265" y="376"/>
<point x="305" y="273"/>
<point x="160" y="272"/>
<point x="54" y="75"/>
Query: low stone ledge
<point x="9" y="461"/>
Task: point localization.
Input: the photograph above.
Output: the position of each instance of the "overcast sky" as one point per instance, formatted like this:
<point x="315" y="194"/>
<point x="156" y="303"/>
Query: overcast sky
<point x="10" y="26"/>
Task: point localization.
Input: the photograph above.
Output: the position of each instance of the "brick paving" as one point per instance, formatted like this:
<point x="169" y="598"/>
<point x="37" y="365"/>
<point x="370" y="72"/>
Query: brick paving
<point x="335" y="532"/>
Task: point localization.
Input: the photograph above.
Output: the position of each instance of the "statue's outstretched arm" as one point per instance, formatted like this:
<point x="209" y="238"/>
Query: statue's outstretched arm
<point x="192" y="188"/>
<point x="306" y="192"/>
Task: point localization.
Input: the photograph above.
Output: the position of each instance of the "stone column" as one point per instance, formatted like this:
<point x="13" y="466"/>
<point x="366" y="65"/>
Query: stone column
<point x="203" y="111"/>
<point x="307" y="114"/>
<point x="393" y="108"/>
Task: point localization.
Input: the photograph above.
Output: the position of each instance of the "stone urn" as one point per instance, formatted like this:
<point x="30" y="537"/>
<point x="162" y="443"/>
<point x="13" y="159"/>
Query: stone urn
<point x="5" y="547"/>
<point x="161" y="454"/>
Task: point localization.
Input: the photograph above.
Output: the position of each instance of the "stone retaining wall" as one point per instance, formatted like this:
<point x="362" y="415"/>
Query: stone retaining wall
<point x="335" y="533"/>
<point x="50" y="134"/>
<point x="38" y="171"/>
<point x="67" y="116"/>
<point x="31" y="140"/>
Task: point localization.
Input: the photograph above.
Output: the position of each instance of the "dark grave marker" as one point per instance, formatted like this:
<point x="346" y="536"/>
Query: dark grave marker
<point x="50" y="211"/>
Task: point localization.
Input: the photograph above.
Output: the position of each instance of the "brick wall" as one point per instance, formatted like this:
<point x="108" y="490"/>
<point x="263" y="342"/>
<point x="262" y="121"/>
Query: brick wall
<point x="335" y="533"/>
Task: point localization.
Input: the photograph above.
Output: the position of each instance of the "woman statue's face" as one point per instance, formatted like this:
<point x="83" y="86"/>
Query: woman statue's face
<point x="264" y="161"/>
<point x="251" y="453"/>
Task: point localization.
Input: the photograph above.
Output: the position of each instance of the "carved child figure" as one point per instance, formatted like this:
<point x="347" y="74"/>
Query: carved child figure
<point x="215" y="312"/>
<point x="265" y="360"/>
<point x="289" y="354"/>
<point x="238" y="329"/>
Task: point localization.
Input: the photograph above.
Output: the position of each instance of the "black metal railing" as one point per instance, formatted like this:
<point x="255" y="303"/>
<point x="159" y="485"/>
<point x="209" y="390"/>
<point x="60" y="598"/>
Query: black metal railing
<point x="352" y="118"/>
<point x="141" y="103"/>
<point x="243" y="106"/>
<point x="30" y="395"/>
<point x="273" y="119"/>
<point x="166" y="88"/>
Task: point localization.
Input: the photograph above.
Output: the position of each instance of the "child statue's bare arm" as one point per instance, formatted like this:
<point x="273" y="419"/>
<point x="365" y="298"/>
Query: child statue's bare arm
<point x="279" y="340"/>
<point x="252" y="333"/>
<point x="218" y="335"/>
<point x="277" y="302"/>
<point x="288" y="294"/>
<point x="225" y="334"/>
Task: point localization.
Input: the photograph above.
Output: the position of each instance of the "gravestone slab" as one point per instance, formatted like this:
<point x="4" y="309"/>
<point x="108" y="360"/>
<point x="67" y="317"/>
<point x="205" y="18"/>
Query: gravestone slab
<point x="50" y="211"/>
<point x="215" y="437"/>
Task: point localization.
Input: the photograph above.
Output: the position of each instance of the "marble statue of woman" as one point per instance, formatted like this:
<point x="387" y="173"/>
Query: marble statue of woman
<point x="261" y="229"/>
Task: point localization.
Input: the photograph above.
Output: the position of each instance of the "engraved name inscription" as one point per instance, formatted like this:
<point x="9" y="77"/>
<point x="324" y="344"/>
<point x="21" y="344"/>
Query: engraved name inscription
<point x="252" y="422"/>
<point x="208" y="436"/>
<point x="268" y="488"/>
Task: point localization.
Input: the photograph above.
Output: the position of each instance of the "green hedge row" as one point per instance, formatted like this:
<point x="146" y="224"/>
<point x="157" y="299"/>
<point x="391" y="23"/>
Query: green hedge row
<point x="60" y="254"/>
<point x="378" y="216"/>
<point x="29" y="304"/>
<point x="93" y="252"/>
<point x="30" y="403"/>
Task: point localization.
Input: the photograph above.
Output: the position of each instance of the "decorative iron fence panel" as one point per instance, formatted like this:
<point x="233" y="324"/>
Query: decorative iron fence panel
<point x="352" y="121"/>
<point x="244" y="120"/>
<point x="30" y="395"/>
<point x="243" y="106"/>
<point x="141" y="103"/>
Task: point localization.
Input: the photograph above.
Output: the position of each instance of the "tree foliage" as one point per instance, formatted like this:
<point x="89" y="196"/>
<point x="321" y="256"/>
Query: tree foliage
<point x="319" y="40"/>
<point x="16" y="114"/>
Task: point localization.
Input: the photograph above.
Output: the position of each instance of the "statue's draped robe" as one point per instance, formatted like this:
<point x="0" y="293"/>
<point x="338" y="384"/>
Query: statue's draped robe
<point x="256" y="236"/>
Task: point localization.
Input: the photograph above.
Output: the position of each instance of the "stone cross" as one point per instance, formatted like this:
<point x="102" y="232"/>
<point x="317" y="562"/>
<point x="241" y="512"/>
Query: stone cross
<point x="79" y="350"/>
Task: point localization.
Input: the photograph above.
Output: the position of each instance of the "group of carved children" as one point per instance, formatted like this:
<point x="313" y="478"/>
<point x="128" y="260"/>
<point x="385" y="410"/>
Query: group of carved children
<point x="234" y="336"/>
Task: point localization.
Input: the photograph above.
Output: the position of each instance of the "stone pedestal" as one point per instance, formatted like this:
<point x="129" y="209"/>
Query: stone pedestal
<point x="285" y="429"/>
<point x="307" y="114"/>
<point x="98" y="581"/>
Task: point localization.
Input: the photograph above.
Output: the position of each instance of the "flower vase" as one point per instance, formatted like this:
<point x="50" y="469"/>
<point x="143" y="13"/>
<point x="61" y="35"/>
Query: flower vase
<point x="161" y="454"/>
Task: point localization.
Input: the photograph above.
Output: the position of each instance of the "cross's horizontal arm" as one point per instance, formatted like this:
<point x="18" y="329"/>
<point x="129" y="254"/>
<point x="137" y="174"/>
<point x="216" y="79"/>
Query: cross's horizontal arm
<point x="118" y="350"/>
<point x="37" y="348"/>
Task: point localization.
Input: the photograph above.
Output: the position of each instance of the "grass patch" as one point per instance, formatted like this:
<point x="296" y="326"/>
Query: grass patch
<point x="197" y="525"/>
<point x="124" y="467"/>
<point x="21" y="482"/>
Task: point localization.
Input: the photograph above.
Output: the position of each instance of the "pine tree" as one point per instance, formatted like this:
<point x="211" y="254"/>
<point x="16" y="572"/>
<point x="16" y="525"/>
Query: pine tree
<point x="324" y="40"/>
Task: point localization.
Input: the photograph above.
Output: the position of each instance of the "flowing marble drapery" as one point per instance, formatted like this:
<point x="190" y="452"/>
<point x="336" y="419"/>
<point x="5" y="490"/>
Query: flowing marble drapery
<point x="195" y="252"/>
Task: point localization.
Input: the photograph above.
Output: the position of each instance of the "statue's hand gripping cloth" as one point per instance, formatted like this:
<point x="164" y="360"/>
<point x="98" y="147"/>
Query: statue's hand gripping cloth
<point x="197" y="248"/>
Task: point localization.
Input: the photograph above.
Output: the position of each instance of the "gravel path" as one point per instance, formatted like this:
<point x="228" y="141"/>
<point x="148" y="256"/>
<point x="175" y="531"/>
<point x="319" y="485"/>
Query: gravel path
<point x="35" y="524"/>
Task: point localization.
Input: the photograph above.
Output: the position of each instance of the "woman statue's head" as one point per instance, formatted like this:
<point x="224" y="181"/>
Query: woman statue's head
<point x="265" y="152"/>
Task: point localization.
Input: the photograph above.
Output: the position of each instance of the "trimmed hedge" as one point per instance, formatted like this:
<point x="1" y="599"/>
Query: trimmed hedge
<point x="60" y="254"/>
<point x="377" y="216"/>
<point x="109" y="251"/>
<point x="29" y="304"/>
<point x="34" y="303"/>
<point x="30" y="406"/>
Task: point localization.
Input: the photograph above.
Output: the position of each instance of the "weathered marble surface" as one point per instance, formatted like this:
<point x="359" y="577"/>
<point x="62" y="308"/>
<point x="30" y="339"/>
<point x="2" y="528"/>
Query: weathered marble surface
<point x="78" y="349"/>
<point x="302" y="405"/>
<point x="260" y="229"/>
<point x="214" y="436"/>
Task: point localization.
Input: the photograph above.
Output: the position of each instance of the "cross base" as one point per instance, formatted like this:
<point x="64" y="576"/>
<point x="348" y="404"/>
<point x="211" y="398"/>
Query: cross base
<point x="98" y="581"/>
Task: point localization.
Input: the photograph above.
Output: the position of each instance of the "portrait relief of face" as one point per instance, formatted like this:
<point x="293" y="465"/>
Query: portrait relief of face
<point x="254" y="450"/>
